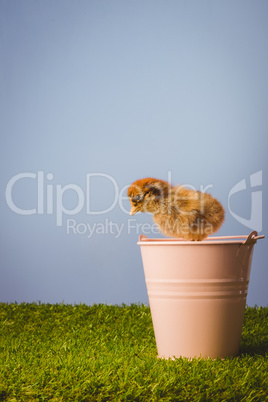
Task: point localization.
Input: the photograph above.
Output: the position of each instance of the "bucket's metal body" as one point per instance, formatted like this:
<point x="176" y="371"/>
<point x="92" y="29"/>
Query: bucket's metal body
<point x="197" y="293"/>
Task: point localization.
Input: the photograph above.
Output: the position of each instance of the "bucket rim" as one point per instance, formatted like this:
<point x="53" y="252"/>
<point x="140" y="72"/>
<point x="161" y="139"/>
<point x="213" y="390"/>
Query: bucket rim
<point x="211" y="240"/>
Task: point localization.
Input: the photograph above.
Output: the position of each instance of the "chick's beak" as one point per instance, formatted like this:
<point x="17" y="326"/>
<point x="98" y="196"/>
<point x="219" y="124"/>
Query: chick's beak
<point x="133" y="210"/>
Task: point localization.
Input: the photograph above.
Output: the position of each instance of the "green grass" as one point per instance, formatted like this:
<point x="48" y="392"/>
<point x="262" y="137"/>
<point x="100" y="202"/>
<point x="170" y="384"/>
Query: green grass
<point x="102" y="353"/>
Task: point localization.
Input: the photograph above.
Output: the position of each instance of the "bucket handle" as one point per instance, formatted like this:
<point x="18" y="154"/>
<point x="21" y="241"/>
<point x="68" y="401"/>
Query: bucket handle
<point x="252" y="238"/>
<point x="245" y="249"/>
<point x="143" y="238"/>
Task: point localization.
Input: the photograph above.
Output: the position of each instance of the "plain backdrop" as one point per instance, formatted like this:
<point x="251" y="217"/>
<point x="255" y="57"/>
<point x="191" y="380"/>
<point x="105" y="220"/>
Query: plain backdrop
<point x="96" y="94"/>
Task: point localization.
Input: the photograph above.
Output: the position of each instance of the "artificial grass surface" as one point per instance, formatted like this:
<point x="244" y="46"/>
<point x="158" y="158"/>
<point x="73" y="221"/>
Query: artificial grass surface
<point x="108" y="353"/>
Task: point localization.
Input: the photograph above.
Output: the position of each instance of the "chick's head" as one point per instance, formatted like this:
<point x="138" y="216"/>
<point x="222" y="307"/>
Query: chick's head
<point x="147" y="195"/>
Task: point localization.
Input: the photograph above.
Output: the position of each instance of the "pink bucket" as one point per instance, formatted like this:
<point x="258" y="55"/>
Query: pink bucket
<point x="197" y="293"/>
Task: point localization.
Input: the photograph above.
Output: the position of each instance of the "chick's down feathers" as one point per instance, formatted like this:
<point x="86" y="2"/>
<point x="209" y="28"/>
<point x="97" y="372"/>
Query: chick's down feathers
<point x="178" y="211"/>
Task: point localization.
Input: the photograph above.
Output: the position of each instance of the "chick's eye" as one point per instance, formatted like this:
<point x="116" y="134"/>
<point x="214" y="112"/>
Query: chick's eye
<point x="137" y="198"/>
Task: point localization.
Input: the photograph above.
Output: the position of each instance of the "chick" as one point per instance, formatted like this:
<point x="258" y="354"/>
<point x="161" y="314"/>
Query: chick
<point x="178" y="211"/>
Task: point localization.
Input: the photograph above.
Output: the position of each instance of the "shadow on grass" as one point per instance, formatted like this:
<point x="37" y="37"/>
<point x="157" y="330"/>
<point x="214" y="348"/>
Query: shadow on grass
<point x="254" y="340"/>
<point x="254" y="349"/>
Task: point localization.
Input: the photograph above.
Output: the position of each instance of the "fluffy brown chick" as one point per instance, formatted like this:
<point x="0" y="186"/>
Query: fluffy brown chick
<point x="178" y="211"/>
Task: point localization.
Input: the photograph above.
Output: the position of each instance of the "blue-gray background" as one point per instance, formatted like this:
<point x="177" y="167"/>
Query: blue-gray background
<point x="170" y="89"/>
